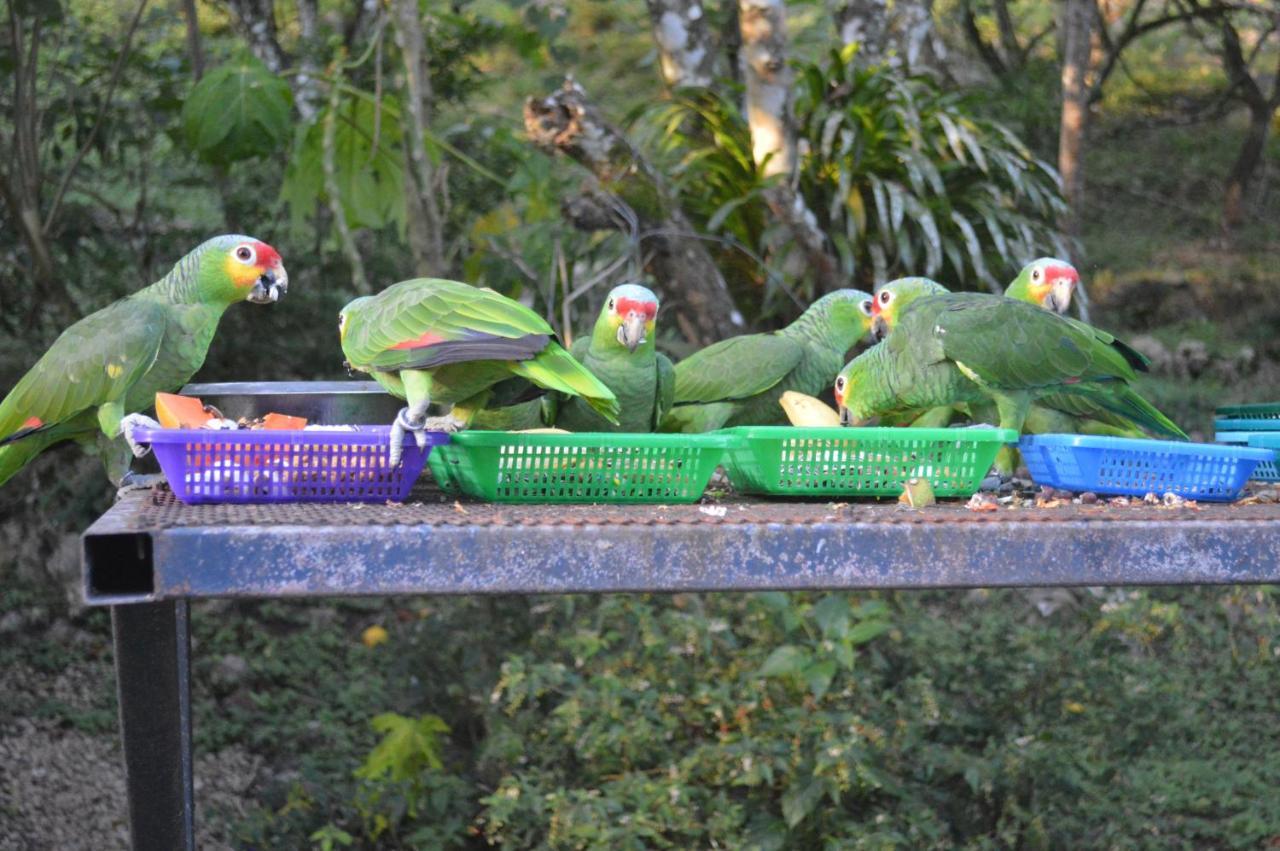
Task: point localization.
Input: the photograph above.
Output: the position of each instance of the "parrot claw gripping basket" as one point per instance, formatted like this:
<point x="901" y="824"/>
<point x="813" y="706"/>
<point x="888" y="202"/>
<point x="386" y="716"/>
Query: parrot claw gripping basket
<point x="504" y="466"/>
<point x="1121" y="465"/>
<point x="793" y="461"/>
<point x="314" y="465"/>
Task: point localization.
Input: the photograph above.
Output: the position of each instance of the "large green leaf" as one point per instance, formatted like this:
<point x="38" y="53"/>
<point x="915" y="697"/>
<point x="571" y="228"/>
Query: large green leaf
<point x="236" y="112"/>
<point x="367" y="160"/>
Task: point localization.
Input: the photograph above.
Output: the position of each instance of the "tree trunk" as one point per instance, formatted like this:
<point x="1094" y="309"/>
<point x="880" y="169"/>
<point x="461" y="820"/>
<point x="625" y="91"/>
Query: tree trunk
<point x="1242" y="170"/>
<point x="864" y="23"/>
<point x="257" y="20"/>
<point x="773" y="138"/>
<point x="902" y="36"/>
<point x="635" y="197"/>
<point x="1077" y="23"/>
<point x="426" y="221"/>
<point x="686" y="51"/>
<point x="306" y="91"/>
<point x="1261" y="109"/>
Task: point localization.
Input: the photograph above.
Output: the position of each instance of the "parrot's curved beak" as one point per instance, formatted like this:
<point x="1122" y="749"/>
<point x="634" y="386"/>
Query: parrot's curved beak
<point x="268" y="289"/>
<point x="879" y="328"/>
<point x="848" y="419"/>
<point x="631" y="333"/>
<point x="1059" y="298"/>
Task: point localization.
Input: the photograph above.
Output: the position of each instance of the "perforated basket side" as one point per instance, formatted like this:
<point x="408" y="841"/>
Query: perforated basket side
<point x="1266" y="471"/>
<point x="1261" y="411"/>
<point x="284" y="466"/>
<point x="787" y="461"/>
<point x="578" y="468"/>
<point x="1137" y="467"/>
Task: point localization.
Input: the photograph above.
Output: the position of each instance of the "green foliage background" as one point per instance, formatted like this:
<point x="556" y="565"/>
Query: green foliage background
<point x="1122" y="719"/>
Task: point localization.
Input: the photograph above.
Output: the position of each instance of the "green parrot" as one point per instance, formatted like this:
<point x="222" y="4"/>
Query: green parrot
<point x="430" y="340"/>
<point x="621" y="352"/>
<point x="1047" y="282"/>
<point x="1065" y="413"/>
<point x="108" y="366"/>
<point x="739" y="381"/>
<point x="972" y="347"/>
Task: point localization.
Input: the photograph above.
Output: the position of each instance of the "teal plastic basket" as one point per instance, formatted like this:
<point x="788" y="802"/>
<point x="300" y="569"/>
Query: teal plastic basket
<point x="1269" y="440"/>
<point x="1266" y="471"/>
<point x="1265" y="412"/>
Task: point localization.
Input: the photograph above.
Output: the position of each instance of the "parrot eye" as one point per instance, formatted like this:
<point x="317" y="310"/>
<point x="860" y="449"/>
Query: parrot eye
<point x="839" y="383"/>
<point x="245" y="254"/>
<point x="885" y="296"/>
<point x="1035" y="274"/>
<point x="611" y="304"/>
<point x="865" y="306"/>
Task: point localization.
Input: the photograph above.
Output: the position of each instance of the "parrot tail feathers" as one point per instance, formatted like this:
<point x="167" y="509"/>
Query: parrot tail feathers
<point x="1126" y="401"/>
<point x="555" y="369"/>
<point x="16" y="453"/>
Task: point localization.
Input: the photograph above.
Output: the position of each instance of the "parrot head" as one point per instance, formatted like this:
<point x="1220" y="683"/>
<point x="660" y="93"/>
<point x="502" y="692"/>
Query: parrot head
<point x="347" y="318"/>
<point x="239" y="268"/>
<point x="890" y="300"/>
<point x="860" y="391"/>
<point x="846" y="311"/>
<point x="627" y="318"/>
<point x="1048" y="282"/>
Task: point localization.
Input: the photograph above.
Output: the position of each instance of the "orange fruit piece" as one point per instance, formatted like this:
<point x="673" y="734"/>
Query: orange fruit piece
<point x="283" y="421"/>
<point x="174" y="411"/>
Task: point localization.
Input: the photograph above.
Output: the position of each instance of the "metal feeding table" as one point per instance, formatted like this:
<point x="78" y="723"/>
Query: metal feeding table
<point x="150" y="555"/>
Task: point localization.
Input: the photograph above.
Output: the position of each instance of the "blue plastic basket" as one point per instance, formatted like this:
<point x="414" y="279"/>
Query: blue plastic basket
<point x="1121" y="465"/>
<point x="286" y="465"/>
<point x="1266" y="471"/>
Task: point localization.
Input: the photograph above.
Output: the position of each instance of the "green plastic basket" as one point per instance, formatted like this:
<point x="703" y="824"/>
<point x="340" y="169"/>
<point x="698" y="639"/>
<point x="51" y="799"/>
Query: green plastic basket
<point x="503" y="466"/>
<point x="1266" y="411"/>
<point x="790" y="461"/>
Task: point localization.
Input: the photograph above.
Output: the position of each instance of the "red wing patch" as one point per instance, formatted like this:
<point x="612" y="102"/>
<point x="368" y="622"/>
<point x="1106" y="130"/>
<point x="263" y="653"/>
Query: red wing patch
<point x="427" y="338"/>
<point x="32" y="422"/>
<point x="1071" y="380"/>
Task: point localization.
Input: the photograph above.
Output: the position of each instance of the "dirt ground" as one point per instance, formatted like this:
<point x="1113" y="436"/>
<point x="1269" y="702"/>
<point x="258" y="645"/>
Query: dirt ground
<point x="62" y="787"/>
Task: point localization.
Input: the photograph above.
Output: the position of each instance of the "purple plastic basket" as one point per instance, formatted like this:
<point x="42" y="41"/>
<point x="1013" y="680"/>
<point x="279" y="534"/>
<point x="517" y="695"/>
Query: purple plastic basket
<point x="286" y="465"/>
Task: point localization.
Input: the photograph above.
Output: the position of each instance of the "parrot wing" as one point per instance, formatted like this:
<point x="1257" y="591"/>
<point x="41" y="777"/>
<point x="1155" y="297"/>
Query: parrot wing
<point x="736" y="368"/>
<point x="425" y="323"/>
<point x="1014" y="345"/>
<point x="94" y="362"/>
<point x="666" y="389"/>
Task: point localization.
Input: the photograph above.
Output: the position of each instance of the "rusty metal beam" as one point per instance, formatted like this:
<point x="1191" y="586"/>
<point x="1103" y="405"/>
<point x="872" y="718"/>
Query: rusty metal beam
<point x="146" y="550"/>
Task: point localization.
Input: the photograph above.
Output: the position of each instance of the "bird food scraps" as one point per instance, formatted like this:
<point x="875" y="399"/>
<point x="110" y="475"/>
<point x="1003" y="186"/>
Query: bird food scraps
<point x="175" y="411"/>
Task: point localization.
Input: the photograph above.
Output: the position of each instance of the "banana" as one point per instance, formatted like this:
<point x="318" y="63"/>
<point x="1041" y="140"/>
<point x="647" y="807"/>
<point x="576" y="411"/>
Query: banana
<point x="806" y="411"/>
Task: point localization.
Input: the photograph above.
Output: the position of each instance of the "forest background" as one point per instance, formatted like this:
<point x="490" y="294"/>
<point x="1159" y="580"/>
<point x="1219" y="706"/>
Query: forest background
<point x="742" y="158"/>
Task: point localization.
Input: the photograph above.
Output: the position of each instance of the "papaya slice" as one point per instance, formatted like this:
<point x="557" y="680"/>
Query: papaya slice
<point x="283" y="421"/>
<point x="174" y="411"/>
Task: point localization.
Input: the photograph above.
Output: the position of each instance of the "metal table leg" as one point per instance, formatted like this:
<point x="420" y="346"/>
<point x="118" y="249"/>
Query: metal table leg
<point x="153" y="678"/>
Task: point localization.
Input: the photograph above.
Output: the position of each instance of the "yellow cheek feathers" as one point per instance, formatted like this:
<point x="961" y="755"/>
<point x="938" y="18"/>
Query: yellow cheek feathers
<point x="241" y="275"/>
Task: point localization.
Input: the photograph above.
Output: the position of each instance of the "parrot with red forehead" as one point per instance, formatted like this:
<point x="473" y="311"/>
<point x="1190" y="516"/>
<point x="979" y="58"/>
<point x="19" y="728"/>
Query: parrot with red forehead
<point x="622" y="353"/>
<point x="1047" y="282"/>
<point x="971" y="348"/>
<point x="433" y="341"/>
<point x="95" y="378"/>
